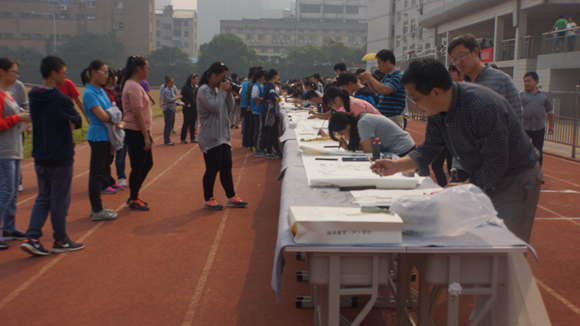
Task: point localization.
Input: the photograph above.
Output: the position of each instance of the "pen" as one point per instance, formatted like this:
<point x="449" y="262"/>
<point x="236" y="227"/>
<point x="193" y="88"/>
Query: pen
<point x="375" y="170"/>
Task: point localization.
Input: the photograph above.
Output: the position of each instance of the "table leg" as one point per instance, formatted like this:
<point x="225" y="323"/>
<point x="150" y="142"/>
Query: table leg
<point x="453" y="302"/>
<point x="402" y="285"/>
<point x="334" y="290"/>
<point x="424" y="301"/>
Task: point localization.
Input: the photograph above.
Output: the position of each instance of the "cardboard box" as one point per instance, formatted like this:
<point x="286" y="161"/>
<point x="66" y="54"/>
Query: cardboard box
<point x="343" y="225"/>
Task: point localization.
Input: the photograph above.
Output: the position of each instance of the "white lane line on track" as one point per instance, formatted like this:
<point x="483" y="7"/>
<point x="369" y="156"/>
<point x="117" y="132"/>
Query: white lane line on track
<point x="190" y="314"/>
<point x="53" y="262"/>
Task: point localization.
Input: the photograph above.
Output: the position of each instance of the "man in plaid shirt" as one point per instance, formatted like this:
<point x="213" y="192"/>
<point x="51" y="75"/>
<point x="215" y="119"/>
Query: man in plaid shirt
<point x="481" y="130"/>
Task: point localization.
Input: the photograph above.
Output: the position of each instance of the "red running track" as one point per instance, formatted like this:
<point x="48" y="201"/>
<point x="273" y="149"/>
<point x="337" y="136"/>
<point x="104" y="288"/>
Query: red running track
<point x="181" y="265"/>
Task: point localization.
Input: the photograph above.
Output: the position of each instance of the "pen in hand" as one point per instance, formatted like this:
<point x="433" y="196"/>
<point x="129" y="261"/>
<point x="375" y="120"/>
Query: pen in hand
<point x="375" y="170"/>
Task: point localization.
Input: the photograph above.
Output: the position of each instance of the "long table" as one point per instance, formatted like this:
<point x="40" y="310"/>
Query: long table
<point x="477" y="259"/>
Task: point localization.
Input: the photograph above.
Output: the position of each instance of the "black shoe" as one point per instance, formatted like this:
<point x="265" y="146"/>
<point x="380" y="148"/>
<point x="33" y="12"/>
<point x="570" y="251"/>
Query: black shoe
<point x="16" y="235"/>
<point x="184" y="141"/>
<point x="33" y="247"/>
<point x="138" y="205"/>
<point x="172" y="131"/>
<point x="60" y="247"/>
<point x="4" y="245"/>
<point x="543" y="182"/>
<point x="194" y="141"/>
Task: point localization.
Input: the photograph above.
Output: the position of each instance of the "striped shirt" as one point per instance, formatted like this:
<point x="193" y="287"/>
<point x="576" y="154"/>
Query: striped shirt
<point x="502" y="84"/>
<point x="394" y="103"/>
<point x="482" y="133"/>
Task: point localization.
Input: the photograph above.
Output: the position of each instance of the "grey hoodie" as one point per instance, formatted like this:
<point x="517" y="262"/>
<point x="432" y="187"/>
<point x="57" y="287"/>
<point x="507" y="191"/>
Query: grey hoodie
<point x="116" y="135"/>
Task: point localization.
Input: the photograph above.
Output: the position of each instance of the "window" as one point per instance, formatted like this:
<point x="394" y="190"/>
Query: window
<point x="300" y="37"/>
<point x="25" y="35"/>
<point x="91" y="17"/>
<point x="176" y="32"/>
<point x="427" y="46"/>
<point x="186" y="23"/>
<point x="24" y="15"/>
<point x="6" y="14"/>
<point x="228" y="30"/>
<point x="398" y="40"/>
<point x="80" y="16"/>
<point x="405" y="27"/>
<point x="8" y="35"/>
<point x="167" y="38"/>
<point x="261" y="37"/>
<point x="352" y="9"/>
<point x="165" y="26"/>
<point x="158" y="44"/>
<point x="264" y="50"/>
<point x="36" y="16"/>
<point x="413" y="26"/>
<point x="277" y="50"/>
<point x="392" y="31"/>
<point x="404" y="49"/>
<point x="186" y="45"/>
<point x="64" y="36"/>
<point x="332" y="9"/>
<point x="398" y="17"/>
<point x="413" y="2"/>
<point x="117" y="5"/>
<point x="117" y="25"/>
<point x="65" y="3"/>
<point x="64" y="16"/>
<point x="91" y="3"/>
<point x="53" y="2"/>
<point x="310" y="9"/>
<point x="37" y="36"/>
<point x="185" y="34"/>
<point x="157" y="33"/>
<point x="406" y="3"/>
<point x="176" y="23"/>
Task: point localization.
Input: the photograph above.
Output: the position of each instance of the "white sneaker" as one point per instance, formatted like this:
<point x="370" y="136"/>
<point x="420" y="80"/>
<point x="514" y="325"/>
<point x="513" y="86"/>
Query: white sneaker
<point x="123" y="182"/>
<point x="20" y="188"/>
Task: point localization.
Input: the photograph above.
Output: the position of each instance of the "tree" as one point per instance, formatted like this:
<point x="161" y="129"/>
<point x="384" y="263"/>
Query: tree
<point x="169" y="61"/>
<point x="232" y="51"/>
<point x="80" y="50"/>
<point x="28" y="63"/>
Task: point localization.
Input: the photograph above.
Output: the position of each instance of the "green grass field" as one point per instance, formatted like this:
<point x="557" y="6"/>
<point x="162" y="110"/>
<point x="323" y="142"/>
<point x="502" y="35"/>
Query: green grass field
<point x="79" y="135"/>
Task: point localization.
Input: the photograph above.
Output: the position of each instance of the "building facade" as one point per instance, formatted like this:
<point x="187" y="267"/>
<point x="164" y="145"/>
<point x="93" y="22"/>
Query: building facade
<point x="211" y="12"/>
<point x="517" y="31"/>
<point x="342" y="20"/>
<point x="32" y="24"/>
<point x="176" y="28"/>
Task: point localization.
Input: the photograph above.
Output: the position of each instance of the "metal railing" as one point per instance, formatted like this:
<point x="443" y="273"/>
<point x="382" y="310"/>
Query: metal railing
<point x="561" y="41"/>
<point x="507" y="50"/>
<point x="404" y="64"/>
<point x="531" y="47"/>
<point x="566" y="119"/>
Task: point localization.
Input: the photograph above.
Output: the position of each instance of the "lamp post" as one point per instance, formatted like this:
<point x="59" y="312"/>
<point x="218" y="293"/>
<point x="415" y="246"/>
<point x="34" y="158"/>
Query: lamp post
<point x="54" y="25"/>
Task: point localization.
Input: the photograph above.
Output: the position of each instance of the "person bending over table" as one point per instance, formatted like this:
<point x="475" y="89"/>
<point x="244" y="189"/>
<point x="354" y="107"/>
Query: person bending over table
<point x="364" y="128"/>
<point x="483" y="133"/>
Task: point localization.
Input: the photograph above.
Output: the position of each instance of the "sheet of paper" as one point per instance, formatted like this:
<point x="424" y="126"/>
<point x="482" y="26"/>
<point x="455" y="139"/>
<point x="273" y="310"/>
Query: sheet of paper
<point x="384" y="197"/>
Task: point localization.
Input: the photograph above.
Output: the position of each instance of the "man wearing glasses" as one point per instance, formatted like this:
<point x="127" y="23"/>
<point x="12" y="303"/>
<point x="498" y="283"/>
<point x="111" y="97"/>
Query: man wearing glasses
<point x="465" y="54"/>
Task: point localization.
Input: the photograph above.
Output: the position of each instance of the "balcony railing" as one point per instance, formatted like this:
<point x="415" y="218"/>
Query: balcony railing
<point x="561" y="41"/>
<point x="507" y="49"/>
<point x="531" y="47"/>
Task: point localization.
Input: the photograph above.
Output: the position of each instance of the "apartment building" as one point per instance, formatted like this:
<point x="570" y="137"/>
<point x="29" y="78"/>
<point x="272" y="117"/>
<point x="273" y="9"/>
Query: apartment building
<point x="32" y="23"/>
<point x="344" y="21"/>
<point x="518" y="30"/>
<point x="211" y="12"/>
<point x="176" y="28"/>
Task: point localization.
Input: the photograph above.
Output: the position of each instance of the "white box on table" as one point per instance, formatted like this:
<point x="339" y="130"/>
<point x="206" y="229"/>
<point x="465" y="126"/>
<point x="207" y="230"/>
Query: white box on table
<point x="343" y="225"/>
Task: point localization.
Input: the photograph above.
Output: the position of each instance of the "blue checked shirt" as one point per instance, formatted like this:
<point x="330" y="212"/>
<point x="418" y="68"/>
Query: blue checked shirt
<point x="394" y="103"/>
<point x="482" y="132"/>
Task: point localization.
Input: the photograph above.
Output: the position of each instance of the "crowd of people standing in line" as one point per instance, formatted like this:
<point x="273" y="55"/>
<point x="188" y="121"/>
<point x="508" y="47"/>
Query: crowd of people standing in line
<point x="361" y="108"/>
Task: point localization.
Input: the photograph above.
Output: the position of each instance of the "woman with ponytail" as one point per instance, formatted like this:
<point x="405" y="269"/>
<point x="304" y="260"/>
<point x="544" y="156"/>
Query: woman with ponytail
<point x="363" y="129"/>
<point x="339" y="100"/>
<point x="214" y="104"/>
<point x="96" y="101"/>
<point x="272" y="108"/>
<point x="138" y="119"/>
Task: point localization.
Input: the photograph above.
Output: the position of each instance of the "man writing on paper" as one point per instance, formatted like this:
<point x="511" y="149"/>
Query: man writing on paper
<point x="481" y="130"/>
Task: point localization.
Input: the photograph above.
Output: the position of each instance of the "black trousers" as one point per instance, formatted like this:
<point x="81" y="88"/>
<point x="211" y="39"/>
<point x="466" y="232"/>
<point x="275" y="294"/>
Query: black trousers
<point x="437" y="167"/>
<point x="248" y="137"/>
<point x="218" y="159"/>
<point x="169" y="116"/>
<point x="141" y="160"/>
<point x="100" y="168"/>
<point x="189" y="117"/>
<point x="272" y="134"/>
<point x="537" y="138"/>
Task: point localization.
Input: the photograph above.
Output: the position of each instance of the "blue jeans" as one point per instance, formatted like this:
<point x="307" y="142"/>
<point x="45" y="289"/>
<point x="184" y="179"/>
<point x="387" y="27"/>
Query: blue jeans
<point x="9" y="181"/>
<point x="120" y="156"/>
<point x="54" y="192"/>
